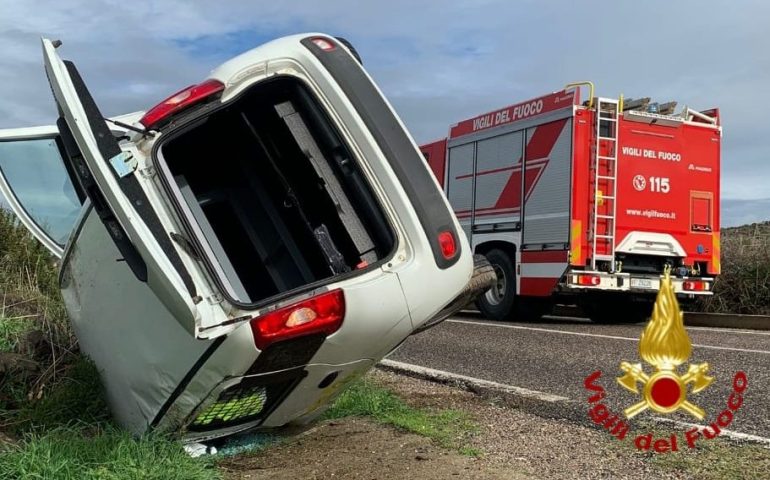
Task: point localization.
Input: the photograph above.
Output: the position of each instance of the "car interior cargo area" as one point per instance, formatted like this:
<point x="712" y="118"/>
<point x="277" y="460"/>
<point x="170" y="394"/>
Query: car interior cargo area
<point x="273" y="194"/>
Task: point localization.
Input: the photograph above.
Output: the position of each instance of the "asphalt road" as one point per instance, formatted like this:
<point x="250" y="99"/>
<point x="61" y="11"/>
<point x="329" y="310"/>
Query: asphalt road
<point x="555" y="355"/>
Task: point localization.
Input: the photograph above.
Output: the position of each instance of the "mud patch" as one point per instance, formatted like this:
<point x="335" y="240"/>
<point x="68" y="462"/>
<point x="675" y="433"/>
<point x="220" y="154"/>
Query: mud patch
<point x="360" y="448"/>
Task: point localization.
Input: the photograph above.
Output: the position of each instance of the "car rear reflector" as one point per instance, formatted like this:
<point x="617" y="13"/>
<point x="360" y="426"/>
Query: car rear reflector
<point x="695" y="286"/>
<point x="589" y="280"/>
<point x="321" y="314"/>
<point x="181" y="100"/>
<point x="447" y="242"/>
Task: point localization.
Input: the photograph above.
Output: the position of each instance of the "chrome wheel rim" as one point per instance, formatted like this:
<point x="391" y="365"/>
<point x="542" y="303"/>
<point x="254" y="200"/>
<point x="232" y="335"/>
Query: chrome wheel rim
<point x="495" y="295"/>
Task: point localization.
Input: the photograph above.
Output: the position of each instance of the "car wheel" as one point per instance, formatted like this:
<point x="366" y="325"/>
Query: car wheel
<point x="352" y="49"/>
<point x="498" y="302"/>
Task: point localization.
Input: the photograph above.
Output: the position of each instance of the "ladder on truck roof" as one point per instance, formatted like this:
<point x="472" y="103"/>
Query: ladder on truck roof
<point x="604" y="169"/>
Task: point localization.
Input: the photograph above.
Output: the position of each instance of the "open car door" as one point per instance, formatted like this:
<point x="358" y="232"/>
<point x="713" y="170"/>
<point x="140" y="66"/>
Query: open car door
<point x="112" y="179"/>
<point x="36" y="186"/>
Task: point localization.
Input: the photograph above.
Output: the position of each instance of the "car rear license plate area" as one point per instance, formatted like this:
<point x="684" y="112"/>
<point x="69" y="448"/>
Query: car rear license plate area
<point x="251" y="399"/>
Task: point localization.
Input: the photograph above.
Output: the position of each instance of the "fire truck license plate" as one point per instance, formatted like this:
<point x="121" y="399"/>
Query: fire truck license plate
<point x="642" y="283"/>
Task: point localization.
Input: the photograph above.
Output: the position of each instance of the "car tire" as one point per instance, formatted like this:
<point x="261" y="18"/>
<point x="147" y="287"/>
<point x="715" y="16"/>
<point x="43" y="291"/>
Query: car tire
<point x="352" y="49"/>
<point x="498" y="302"/>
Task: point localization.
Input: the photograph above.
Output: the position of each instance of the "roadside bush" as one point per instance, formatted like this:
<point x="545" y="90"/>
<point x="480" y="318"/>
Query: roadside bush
<point x="744" y="284"/>
<point x="37" y="346"/>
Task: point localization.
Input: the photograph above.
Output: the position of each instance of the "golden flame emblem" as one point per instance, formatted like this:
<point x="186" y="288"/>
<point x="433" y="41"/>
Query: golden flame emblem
<point x="665" y="345"/>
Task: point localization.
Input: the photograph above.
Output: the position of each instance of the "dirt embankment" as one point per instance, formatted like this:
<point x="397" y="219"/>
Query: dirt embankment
<point x="507" y="443"/>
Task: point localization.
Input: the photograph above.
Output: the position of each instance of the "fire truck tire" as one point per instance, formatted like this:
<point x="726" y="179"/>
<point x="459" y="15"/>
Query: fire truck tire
<point x="498" y="303"/>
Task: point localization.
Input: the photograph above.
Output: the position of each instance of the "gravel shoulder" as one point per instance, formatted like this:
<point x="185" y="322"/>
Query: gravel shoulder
<point x="513" y="444"/>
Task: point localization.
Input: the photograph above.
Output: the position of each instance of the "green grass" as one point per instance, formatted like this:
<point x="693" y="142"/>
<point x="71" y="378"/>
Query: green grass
<point x="717" y="459"/>
<point x="68" y="434"/>
<point x="30" y="300"/>
<point x="109" y="454"/>
<point x="11" y="331"/>
<point x="77" y="398"/>
<point x="714" y="459"/>
<point x="449" y="428"/>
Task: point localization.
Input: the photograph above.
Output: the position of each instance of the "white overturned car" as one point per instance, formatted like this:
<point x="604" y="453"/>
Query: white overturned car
<point x="247" y="248"/>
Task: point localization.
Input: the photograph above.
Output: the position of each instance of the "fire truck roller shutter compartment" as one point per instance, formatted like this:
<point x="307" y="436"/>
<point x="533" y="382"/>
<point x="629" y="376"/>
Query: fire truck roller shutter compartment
<point x="498" y="196"/>
<point x="460" y="184"/>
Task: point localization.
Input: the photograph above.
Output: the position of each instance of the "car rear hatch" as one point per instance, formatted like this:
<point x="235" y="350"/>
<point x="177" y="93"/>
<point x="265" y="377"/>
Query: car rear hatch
<point x="273" y="197"/>
<point x="265" y="187"/>
<point x="297" y="126"/>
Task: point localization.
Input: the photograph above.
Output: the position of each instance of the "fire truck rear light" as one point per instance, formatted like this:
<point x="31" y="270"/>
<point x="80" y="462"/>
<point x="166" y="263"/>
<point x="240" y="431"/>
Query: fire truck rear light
<point x="589" y="280"/>
<point x="321" y="314"/>
<point x="324" y="44"/>
<point x="695" y="286"/>
<point x="180" y="100"/>
<point x="447" y="242"/>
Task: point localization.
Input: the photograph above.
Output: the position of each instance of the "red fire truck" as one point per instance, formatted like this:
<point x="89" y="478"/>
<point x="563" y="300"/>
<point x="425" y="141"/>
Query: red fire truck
<point x="586" y="203"/>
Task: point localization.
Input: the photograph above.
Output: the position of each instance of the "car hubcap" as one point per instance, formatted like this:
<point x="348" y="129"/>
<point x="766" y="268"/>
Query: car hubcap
<point x="496" y="294"/>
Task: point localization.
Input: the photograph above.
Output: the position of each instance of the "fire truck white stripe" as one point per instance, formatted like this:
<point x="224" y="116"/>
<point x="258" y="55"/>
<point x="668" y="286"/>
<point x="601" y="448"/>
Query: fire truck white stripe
<point x="596" y="335"/>
<point x="543" y="270"/>
<point x="547" y="215"/>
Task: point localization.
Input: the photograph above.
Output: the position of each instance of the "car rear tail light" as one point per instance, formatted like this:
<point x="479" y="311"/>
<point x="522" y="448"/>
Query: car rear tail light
<point x="324" y="44"/>
<point x="321" y="314"/>
<point x="448" y="245"/>
<point x="180" y="100"/>
<point x="695" y="286"/>
<point x="589" y="280"/>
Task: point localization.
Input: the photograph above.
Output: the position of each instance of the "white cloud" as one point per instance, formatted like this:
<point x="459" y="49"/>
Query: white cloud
<point x="437" y="61"/>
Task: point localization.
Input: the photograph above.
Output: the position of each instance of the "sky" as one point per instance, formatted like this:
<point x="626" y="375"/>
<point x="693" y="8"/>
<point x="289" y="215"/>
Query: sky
<point x="438" y="62"/>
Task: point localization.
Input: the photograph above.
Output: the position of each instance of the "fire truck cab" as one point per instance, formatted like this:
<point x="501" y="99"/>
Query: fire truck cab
<point x="586" y="203"/>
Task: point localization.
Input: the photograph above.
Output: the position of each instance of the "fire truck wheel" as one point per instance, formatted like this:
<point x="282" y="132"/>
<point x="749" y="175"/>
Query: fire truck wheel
<point x="498" y="302"/>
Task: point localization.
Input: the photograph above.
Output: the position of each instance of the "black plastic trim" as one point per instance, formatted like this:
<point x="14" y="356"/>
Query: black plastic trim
<point x="288" y="381"/>
<point x="292" y="353"/>
<point x="77" y="165"/>
<point x="108" y="148"/>
<point x="406" y="161"/>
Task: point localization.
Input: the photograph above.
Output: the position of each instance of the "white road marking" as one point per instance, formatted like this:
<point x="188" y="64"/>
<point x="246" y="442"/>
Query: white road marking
<point x="443" y="376"/>
<point x="728" y="330"/>
<point x="479" y="382"/>
<point x="724" y="433"/>
<point x="596" y="335"/>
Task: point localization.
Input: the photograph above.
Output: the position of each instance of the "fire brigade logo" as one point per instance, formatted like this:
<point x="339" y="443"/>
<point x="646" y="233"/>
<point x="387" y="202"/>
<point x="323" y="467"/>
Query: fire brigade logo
<point x="665" y="345"/>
